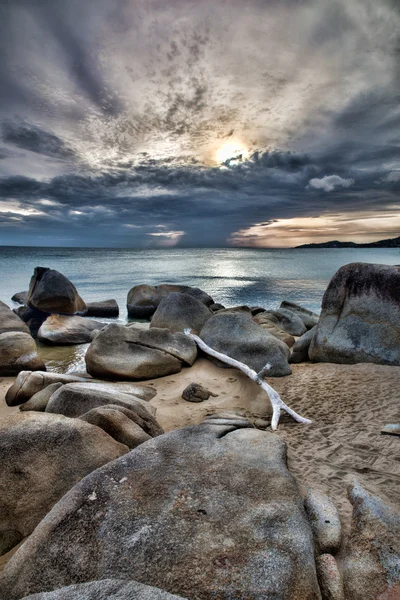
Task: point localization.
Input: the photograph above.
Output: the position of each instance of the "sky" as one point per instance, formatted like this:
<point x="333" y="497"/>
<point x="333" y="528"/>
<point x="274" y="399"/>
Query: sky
<point x="199" y="123"/>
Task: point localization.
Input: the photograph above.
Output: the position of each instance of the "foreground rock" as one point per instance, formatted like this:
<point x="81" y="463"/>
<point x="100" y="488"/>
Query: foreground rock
<point x="40" y="400"/>
<point x="9" y="321"/>
<point x="213" y="505"/>
<point x="41" y="457"/>
<point x="271" y="325"/>
<point x="178" y="312"/>
<point x="283" y="319"/>
<point x="28" y="383"/>
<point x="120" y="352"/>
<point x="302" y="346"/>
<point x="51" y="292"/>
<point x="18" y="352"/>
<point x="236" y="334"/>
<point x="329" y="578"/>
<point x="64" y="330"/>
<point x="195" y="392"/>
<point x="105" y="309"/>
<point x="360" y="318"/>
<point x="144" y="299"/>
<point x="309" y="318"/>
<point x="115" y="589"/>
<point x="371" y="568"/>
<point x="324" y="520"/>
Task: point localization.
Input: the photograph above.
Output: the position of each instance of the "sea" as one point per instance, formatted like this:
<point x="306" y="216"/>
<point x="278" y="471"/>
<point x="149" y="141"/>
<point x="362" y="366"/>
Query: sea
<point x="232" y="276"/>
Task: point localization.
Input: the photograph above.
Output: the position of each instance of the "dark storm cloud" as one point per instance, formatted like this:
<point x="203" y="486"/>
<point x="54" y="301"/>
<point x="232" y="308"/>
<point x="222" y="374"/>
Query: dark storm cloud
<point x="112" y="115"/>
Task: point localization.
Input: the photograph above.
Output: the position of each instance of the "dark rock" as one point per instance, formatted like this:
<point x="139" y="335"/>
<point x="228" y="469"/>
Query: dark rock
<point x="255" y="310"/>
<point x="105" y="308"/>
<point x="360" y="318"/>
<point x="195" y="392"/>
<point x="28" y="383"/>
<point x="208" y="511"/>
<point x="120" y="352"/>
<point x="391" y="429"/>
<point x="371" y="563"/>
<point x="106" y="589"/>
<point x="324" y="520"/>
<point x="329" y="578"/>
<point x="18" y="352"/>
<point x="32" y="317"/>
<point x="301" y="347"/>
<point x="272" y="326"/>
<point x="178" y="312"/>
<point x="309" y="318"/>
<point x="9" y="321"/>
<point x="236" y="335"/>
<point x="40" y="400"/>
<point x="143" y="299"/>
<point x="64" y="330"/>
<point x="20" y="297"/>
<point x="216" y="307"/>
<point x="52" y="292"/>
<point x="41" y="457"/>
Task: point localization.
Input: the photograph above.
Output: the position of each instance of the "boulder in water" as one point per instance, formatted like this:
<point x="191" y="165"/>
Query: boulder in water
<point x="9" y="321"/>
<point x="178" y="312"/>
<point x="18" y="352"/>
<point x="64" y="330"/>
<point x="104" y="308"/>
<point x="144" y="299"/>
<point x="51" y="292"/>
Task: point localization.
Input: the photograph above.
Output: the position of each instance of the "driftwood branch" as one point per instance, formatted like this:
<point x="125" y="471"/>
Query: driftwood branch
<point x="276" y="402"/>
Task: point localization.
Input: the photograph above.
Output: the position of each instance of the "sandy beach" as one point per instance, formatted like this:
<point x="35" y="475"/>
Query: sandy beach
<point x="348" y="405"/>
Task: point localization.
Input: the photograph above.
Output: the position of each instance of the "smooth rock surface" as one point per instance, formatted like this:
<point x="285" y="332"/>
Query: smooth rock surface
<point x="309" y="318"/>
<point x="120" y="352"/>
<point x="360" y="318"/>
<point x="264" y="320"/>
<point x="20" y="297"/>
<point x="106" y="589"/>
<point x="236" y="335"/>
<point x="41" y="457"/>
<point x="18" y="352"/>
<point x="9" y="321"/>
<point x="301" y="347"/>
<point x="325" y="522"/>
<point x="51" y="292"/>
<point x="329" y="578"/>
<point x="64" y="330"/>
<point x="285" y="320"/>
<point x="144" y="299"/>
<point x="178" y="311"/>
<point x="208" y="511"/>
<point x="371" y="568"/>
<point x="28" y="383"/>
<point x="32" y="317"/>
<point x="40" y="400"/>
<point x="104" y="308"/>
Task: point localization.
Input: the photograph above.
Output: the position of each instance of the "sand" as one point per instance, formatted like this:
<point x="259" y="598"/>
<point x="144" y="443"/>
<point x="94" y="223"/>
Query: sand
<point x="348" y="405"/>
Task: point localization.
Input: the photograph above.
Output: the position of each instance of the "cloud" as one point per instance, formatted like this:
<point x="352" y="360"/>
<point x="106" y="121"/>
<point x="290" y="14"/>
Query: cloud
<point x="30" y="137"/>
<point x="329" y="183"/>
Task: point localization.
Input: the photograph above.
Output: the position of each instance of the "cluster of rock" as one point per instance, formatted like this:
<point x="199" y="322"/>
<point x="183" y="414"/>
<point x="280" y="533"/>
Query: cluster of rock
<point x="207" y="511"/>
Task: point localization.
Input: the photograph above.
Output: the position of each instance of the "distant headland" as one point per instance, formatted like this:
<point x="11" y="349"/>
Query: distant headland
<point x="392" y="243"/>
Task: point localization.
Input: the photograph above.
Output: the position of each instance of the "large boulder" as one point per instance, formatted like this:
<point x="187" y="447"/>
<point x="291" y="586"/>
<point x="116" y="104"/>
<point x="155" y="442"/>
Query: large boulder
<point x="18" y="352"/>
<point x="51" y="292"/>
<point x="144" y="299"/>
<point x="28" y="383"/>
<point x="64" y="330"/>
<point x="236" y="335"/>
<point x="360" y="318"/>
<point x="177" y="312"/>
<point x="120" y="352"/>
<point x="371" y="567"/>
<point x="309" y="318"/>
<point x="106" y="589"/>
<point x="272" y="326"/>
<point x="9" y="321"/>
<point x="285" y="320"/>
<point x="302" y="346"/>
<point x="32" y="317"/>
<point x="41" y="457"/>
<point x="208" y="511"/>
<point x="104" y="308"/>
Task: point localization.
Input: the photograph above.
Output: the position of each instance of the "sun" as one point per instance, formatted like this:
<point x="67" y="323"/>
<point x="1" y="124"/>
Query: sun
<point x="232" y="149"/>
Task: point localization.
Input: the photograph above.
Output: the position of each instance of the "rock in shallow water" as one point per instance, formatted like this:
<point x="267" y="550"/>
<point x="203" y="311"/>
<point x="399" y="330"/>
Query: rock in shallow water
<point x="18" y="352"/>
<point x="208" y="511"/>
<point x="64" y="330"/>
<point x="144" y="299"/>
<point x="51" y="292"/>
<point x="104" y="308"/>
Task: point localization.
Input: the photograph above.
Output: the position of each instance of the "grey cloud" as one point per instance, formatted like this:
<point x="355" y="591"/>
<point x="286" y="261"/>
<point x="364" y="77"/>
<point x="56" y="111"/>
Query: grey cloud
<point x="31" y="137"/>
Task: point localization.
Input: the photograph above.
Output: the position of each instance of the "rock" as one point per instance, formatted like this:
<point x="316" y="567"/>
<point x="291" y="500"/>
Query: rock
<point x="120" y="352"/>
<point x="216" y="307"/>
<point x="32" y="317"/>
<point x="106" y="589"/>
<point x="284" y="319"/>
<point x="236" y="335"/>
<point x="264" y="320"/>
<point x="371" y="563"/>
<point x="76" y="399"/>
<point x="122" y="424"/>
<point x="143" y="299"/>
<point x="105" y="309"/>
<point x="41" y="457"/>
<point x="28" y="383"/>
<point x="360" y="318"/>
<point x="195" y="392"/>
<point x="309" y="318"/>
<point x="391" y="429"/>
<point x="20" y="297"/>
<point x="52" y="292"/>
<point x="39" y="400"/>
<point x="9" y="321"/>
<point x="255" y="310"/>
<point x="329" y="578"/>
<point x="64" y="330"/>
<point x="18" y="352"/>
<point x="301" y="347"/>
<point x="261" y="423"/>
<point x="324" y="520"/>
<point x="208" y="511"/>
<point x="177" y="312"/>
